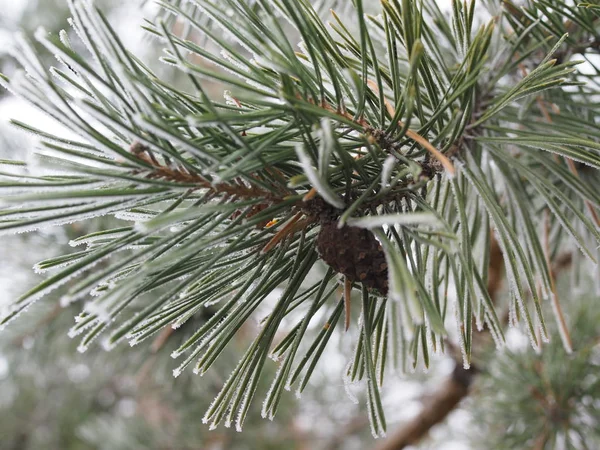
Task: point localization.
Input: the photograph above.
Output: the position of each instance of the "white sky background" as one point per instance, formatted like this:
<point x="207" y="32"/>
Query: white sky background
<point x="401" y="402"/>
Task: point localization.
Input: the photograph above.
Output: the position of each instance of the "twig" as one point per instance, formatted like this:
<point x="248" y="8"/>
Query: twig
<point x="178" y="174"/>
<point x="442" y="403"/>
<point x="560" y="317"/>
<point x="281" y="234"/>
<point x="442" y="159"/>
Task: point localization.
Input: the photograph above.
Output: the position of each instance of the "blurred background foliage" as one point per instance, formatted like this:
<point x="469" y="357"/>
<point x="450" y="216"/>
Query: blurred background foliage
<point x="548" y="399"/>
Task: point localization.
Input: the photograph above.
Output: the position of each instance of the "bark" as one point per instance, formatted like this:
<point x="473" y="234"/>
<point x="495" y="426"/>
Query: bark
<point x="434" y="411"/>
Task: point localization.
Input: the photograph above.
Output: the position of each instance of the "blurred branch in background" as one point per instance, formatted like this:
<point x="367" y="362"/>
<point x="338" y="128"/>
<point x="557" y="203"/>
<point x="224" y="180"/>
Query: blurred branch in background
<point x="552" y="399"/>
<point x="436" y="407"/>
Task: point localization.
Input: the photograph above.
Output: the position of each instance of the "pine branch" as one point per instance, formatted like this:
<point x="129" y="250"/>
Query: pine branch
<point x="398" y="140"/>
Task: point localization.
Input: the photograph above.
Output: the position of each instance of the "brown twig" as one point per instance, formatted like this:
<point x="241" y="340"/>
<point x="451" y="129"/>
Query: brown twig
<point x="179" y="174"/>
<point x="436" y="409"/>
<point x="282" y="234"/>
<point x="439" y="156"/>
<point x="562" y="324"/>
<point x="239" y="189"/>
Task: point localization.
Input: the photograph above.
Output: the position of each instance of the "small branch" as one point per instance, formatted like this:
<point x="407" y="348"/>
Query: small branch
<point x="281" y="234"/>
<point x="560" y="317"/>
<point x="441" y="404"/>
<point x="456" y="387"/>
<point x="540" y="442"/>
<point x="439" y="156"/>
<point x="434" y="151"/>
<point x="178" y="174"/>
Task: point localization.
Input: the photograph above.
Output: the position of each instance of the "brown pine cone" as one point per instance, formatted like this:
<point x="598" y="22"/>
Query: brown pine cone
<point x="354" y="252"/>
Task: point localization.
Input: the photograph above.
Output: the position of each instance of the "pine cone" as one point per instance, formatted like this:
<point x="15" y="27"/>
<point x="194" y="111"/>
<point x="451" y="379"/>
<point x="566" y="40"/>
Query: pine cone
<point x="354" y="252"/>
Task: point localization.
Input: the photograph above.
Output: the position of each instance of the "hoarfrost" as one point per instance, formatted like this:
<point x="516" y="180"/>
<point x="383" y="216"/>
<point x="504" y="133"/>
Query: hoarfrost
<point x="461" y="341"/>
<point x="348" y="383"/>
